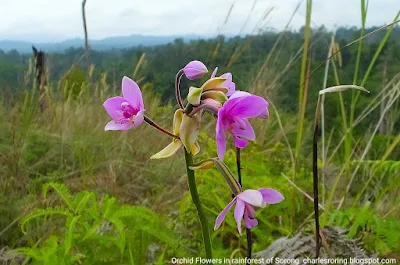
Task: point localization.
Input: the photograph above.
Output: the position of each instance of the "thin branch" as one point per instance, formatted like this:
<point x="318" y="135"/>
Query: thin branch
<point x="86" y="34"/>
<point x="158" y="127"/>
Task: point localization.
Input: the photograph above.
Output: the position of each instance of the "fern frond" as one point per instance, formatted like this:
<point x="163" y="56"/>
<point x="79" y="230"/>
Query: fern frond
<point x="380" y="166"/>
<point x="42" y="213"/>
<point x="82" y="203"/>
<point x="135" y="212"/>
<point x="33" y="253"/>
<point x="109" y="205"/>
<point x="70" y="233"/>
<point x="361" y="219"/>
<point x="62" y="191"/>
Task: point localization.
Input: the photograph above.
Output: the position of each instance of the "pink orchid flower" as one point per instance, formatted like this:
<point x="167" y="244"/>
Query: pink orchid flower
<point x="228" y="83"/>
<point x="244" y="202"/>
<point x="232" y="118"/>
<point x="128" y="111"/>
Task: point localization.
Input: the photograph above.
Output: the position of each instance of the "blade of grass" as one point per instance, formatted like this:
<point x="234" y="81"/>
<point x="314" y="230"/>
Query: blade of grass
<point x="303" y="71"/>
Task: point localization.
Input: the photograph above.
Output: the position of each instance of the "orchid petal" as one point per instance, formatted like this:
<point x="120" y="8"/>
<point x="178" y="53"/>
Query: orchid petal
<point x="228" y="83"/>
<point x="132" y="93"/>
<point x="253" y="197"/>
<point x="270" y="196"/>
<point x="246" y="107"/>
<point x="221" y="88"/>
<point x="264" y="114"/>
<point x="231" y="88"/>
<point x="214" y="73"/>
<point x="220" y="136"/>
<point x="195" y="148"/>
<point x="194" y="95"/>
<point x="216" y="95"/>
<point x="227" y="76"/>
<point x="169" y="150"/>
<point x="239" y="94"/>
<point x="114" y="126"/>
<point x="113" y="107"/>
<point x="213" y="83"/>
<point x="238" y="214"/>
<point x="231" y="85"/>
<point x="139" y="118"/>
<point x="178" y="116"/>
<point x="189" y="130"/>
<point x="222" y="214"/>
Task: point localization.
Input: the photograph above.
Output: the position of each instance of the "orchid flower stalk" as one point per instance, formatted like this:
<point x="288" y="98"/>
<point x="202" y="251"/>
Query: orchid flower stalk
<point x="196" y="200"/>
<point x="232" y="109"/>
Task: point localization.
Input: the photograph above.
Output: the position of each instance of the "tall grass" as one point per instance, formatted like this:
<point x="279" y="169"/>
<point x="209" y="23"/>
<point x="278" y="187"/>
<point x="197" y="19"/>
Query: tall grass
<point x="303" y="81"/>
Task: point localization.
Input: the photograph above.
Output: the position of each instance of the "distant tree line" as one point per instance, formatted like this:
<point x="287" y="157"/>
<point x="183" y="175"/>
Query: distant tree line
<point x="243" y="56"/>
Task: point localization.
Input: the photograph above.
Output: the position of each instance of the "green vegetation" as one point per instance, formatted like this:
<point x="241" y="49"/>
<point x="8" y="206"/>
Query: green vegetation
<point x="71" y="193"/>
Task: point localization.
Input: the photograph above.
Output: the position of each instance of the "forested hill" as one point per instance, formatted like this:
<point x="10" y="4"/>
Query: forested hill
<point x="243" y="56"/>
<point x="118" y="42"/>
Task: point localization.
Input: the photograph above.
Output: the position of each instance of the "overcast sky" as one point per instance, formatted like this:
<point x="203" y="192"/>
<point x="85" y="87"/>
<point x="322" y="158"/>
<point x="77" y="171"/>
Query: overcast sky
<point x="55" y="20"/>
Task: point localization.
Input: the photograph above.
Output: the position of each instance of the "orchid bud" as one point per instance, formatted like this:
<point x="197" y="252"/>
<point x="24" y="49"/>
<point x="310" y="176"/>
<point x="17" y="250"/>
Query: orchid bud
<point x="212" y="103"/>
<point x="194" y="70"/>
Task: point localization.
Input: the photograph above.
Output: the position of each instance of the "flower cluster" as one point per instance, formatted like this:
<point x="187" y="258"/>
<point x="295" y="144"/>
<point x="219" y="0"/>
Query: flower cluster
<point x="232" y="109"/>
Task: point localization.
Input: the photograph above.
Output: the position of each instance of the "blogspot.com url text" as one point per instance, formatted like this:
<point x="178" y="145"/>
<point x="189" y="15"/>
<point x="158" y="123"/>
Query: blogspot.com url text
<point x="358" y="261"/>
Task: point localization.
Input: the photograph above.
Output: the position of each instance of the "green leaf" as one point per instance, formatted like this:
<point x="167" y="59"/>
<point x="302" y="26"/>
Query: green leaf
<point x="70" y="234"/>
<point x="62" y="191"/>
<point x="42" y="213"/>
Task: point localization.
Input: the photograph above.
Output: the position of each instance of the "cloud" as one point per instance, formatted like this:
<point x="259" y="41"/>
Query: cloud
<point x="60" y="19"/>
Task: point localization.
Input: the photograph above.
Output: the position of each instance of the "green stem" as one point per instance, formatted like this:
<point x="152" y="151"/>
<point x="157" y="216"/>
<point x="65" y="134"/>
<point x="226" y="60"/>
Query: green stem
<point x="197" y="203"/>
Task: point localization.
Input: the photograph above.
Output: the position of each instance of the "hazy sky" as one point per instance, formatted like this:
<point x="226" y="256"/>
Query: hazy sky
<point x="55" y="20"/>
